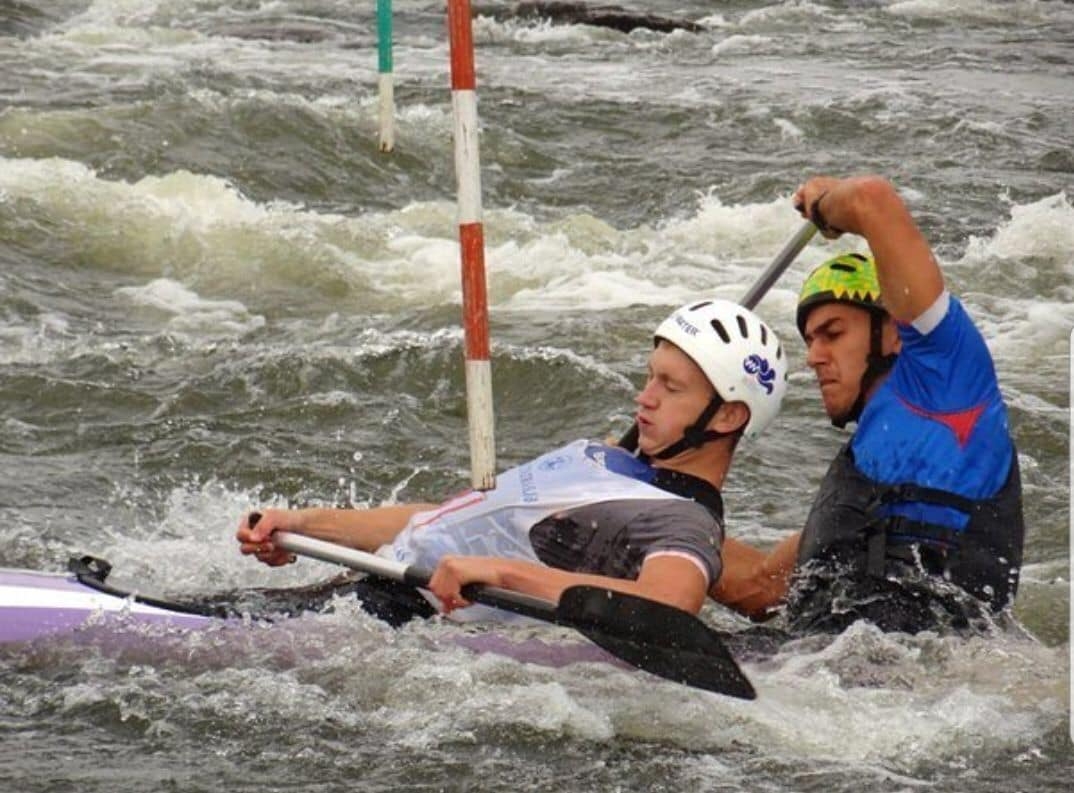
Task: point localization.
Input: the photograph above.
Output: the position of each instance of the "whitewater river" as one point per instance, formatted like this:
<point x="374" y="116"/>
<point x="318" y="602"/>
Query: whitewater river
<point x="216" y="293"/>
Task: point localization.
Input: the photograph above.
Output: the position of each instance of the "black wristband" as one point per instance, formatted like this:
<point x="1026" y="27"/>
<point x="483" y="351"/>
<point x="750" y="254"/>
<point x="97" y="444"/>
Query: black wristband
<point x="817" y="217"/>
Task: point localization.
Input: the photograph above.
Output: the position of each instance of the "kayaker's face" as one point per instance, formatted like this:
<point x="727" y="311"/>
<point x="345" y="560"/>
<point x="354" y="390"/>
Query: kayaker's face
<point x="674" y="395"/>
<point x="837" y="349"/>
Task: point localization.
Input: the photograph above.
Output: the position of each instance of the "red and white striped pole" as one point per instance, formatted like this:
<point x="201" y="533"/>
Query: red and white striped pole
<point x="472" y="243"/>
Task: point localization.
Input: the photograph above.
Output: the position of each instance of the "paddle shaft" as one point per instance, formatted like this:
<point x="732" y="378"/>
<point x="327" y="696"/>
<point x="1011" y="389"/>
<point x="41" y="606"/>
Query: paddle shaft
<point x="753" y="295"/>
<point x="782" y="261"/>
<point x="381" y="567"/>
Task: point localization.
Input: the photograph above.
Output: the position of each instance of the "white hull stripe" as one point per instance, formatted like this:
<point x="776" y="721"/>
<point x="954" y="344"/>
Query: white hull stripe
<point x="23" y="598"/>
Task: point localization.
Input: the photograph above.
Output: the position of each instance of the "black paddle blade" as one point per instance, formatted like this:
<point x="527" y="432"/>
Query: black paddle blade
<point x="658" y="638"/>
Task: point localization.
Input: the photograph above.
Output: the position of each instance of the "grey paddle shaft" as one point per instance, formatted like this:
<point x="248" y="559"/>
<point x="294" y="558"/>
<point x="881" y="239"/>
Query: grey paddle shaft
<point x="779" y="264"/>
<point x="339" y="554"/>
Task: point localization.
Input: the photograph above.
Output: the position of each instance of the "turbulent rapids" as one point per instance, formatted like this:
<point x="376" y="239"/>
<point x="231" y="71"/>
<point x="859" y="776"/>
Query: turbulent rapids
<point x="216" y="294"/>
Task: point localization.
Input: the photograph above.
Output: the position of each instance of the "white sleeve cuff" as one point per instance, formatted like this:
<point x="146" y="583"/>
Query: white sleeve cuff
<point x="933" y="315"/>
<point x="683" y="555"/>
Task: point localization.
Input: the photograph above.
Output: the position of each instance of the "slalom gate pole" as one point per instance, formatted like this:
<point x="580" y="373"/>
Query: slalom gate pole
<point x="385" y="79"/>
<point x="472" y="246"/>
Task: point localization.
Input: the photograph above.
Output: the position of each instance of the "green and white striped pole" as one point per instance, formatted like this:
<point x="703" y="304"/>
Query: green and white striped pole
<point x="385" y="82"/>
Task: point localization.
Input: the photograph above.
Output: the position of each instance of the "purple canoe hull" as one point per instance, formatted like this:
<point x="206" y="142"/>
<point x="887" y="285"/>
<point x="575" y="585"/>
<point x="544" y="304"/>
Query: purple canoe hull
<point x="38" y="605"/>
<point x="35" y="604"/>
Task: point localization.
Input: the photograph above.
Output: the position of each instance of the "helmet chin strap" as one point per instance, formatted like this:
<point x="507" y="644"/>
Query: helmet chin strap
<point x="696" y="435"/>
<point x="876" y="366"/>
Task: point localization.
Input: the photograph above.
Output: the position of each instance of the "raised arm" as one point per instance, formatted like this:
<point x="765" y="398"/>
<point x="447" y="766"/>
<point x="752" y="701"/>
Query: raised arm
<point x="870" y="207"/>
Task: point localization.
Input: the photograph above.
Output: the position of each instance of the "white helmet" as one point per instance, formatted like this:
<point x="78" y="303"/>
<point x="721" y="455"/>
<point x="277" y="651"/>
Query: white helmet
<point x="738" y="353"/>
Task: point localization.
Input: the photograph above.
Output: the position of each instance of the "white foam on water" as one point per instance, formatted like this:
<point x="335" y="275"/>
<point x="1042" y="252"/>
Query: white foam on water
<point x="118" y="12"/>
<point x="936" y="698"/>
<point x="966" y="128"/>
<point x="547" y="353"/>
<point x="190" y="545"/>
<point x="788" y="130"/>
<point x="715" y="252"/>
<point x="197" y="227"/>
<point x="191" y="313"/>
<point x="714" y="21"/>
<point x="373" y="342"/>
<point x="729" y="231"/>
<point x="782" y="14"/>
<point x="576" y="263"/>
<point x="115" y="41"/>
<point x="536" y="32"/>
<point x="149" y="48"/>
<point x="203" y="200"/>
<point x="529" y="704"/>
<point x="1033" y="247"/>
<point x="76" y="192"/>
<point x="1042" y="229"/>
<point x="38" y="340"/>
<point x="1025" y="334"/>
<point x="739" y="44"/>
<point x="961" y="11"/>
<point x="428" y="122"/>
<point x="198" y="233"/>
<point x="26" y="130"/>
<point x="940" y="700"/>
<point x="601" y="290"/>
<point x="934" y="695"/>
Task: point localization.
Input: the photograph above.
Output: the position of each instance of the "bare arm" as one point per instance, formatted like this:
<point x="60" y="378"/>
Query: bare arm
<point x="869" y="206"/>
<point x="672" y="580"/>
<point x="364" y="529"/>
<point x="753" y="582"/>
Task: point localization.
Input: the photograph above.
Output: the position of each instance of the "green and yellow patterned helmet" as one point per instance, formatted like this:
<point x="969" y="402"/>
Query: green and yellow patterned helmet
<point x="848" y="278"/>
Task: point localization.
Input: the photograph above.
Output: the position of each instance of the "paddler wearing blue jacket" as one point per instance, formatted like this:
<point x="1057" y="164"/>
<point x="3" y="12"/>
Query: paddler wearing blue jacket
<point x="918" y="522"/>
<point x="586" y="513"/>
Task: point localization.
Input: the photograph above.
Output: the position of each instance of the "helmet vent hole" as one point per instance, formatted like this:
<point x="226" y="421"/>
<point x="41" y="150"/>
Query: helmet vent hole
<point x="779" y="351"/>
<point x="742" y="328"/>
<point x="702" y="304"/>
<point x="764" y="336"/>
<point x="721" y="330"/>
<point x="846" y="268"/>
